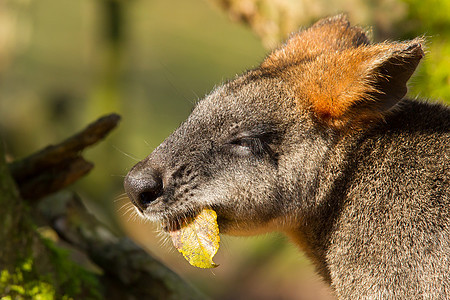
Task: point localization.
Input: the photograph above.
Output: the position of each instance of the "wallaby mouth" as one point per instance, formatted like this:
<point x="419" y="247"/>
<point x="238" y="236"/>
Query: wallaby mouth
<point x="175" y="223"/>
<point x="174" y="220"/>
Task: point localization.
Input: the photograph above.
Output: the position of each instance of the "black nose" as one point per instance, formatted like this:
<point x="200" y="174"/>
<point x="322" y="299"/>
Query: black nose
<point x="143" y="187"/>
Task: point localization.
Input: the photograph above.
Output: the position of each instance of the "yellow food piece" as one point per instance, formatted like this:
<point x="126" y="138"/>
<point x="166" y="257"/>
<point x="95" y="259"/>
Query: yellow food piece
<point x="198" y="240"/>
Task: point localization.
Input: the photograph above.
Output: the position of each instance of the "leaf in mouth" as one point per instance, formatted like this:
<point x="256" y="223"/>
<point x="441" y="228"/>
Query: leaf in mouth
<point x="198" y="240"/>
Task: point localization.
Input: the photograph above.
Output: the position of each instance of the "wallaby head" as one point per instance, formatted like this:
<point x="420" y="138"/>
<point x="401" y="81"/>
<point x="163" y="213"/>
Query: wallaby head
<point x="268" y="150"/>
<point x="252" y="149"/>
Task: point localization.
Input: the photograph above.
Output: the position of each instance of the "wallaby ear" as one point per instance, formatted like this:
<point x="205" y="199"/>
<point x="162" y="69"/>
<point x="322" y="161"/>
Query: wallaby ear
<point x="347" y="80"/>
<point x="393" y="71"/>
<point x="337" y="33"/>
<point x="363" y="84"/>
<point x="326" y="35"/>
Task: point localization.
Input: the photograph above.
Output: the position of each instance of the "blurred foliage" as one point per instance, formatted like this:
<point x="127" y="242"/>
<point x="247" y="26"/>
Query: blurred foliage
<point x="64" y="63"/>
<point x="274" y="20"/>
<point x="431" y="15"/>
<point x="432" y="19"/>
<point x="432" y="80"/>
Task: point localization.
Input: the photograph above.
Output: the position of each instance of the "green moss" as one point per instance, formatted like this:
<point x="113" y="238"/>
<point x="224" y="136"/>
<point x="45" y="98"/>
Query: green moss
<point x="62" y="279"/>
<point x="16" y="286"/>
<point x="72" y="279"/>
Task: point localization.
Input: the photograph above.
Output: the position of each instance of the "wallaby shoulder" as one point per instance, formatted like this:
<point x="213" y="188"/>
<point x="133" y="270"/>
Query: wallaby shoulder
<point x="393" y="215"/>
<point x="417" y="132"/>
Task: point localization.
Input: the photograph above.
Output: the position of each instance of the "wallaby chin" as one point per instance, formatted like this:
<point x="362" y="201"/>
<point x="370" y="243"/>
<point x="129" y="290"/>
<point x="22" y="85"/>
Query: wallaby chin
<point x="318" y="142"/>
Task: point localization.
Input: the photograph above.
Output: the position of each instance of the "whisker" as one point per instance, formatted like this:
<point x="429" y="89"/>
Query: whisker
<point x="127" y="206"/>
<point x="121" y="198"/>
<point x="126" y="154"/>
<point x="130" y="210"/>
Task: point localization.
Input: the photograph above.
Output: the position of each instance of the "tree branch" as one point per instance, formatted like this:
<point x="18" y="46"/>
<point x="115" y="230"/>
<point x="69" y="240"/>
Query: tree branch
<point x="57" y="166"/>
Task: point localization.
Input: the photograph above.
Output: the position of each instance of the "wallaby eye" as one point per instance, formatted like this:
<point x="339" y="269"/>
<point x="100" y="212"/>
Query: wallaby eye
<point x="247" y="142"/>
<point x="248" y="145"/>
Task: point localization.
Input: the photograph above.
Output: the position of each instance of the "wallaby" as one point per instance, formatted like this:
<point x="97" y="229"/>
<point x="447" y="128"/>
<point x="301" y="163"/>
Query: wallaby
<point x="319" y="143"/>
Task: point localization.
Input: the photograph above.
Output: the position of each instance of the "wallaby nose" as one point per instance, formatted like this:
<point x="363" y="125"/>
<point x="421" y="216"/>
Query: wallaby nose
<point x="143" y="187"/>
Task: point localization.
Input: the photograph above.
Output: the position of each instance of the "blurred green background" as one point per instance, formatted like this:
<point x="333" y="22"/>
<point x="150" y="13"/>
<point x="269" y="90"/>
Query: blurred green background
<point x="65" y="63"/>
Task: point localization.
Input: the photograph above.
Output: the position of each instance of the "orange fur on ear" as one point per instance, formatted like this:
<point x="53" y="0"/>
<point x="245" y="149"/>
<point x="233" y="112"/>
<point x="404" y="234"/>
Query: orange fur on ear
<point x="326" y="35"/>
<point x="333" y="68"/>
<point x="361" y="84"/>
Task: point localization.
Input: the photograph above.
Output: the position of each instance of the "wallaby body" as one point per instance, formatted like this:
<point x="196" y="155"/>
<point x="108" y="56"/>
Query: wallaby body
<point x="318" y="143"/>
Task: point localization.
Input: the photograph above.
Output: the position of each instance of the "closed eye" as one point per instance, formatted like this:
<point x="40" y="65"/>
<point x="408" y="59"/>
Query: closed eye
<point x="249" y="145"/>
